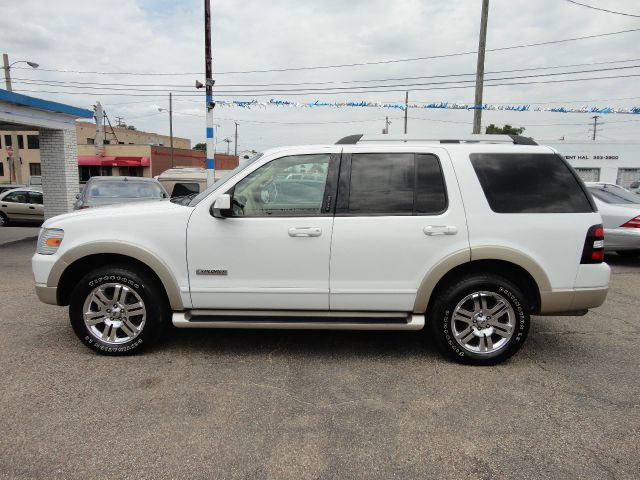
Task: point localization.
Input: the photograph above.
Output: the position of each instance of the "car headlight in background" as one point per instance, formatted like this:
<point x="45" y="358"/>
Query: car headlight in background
<point x="49" y="241"/>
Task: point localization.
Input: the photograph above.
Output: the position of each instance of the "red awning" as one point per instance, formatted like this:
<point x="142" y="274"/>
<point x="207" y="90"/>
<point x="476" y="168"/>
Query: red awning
<point x="113" y="161"/>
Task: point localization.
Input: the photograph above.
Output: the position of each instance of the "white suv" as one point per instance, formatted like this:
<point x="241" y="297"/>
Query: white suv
<point x="465" y="238"/>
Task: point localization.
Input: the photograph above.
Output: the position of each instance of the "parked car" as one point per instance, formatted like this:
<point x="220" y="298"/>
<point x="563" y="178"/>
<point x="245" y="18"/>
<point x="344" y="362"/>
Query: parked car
<point x="10" y="186"/>
<point x="464" y="238"/>
<point x="101" y="191"/>
<point x="620" y="210"/>
<point x="21" y="205"/>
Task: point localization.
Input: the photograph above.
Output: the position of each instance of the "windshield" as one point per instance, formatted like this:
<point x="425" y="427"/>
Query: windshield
<point x="613" y="194"/>
<point x="223" y="179"/>
<point x="122" y="189"/>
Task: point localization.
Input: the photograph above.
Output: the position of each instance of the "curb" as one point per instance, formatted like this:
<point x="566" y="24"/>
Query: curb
<point x="20" y="240"/>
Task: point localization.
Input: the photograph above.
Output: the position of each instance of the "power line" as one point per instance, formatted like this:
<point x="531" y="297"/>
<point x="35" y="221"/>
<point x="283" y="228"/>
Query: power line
<point x="359" y="89"/>
<point x="603" y="9"/>
<point x="174" y="85"/>
<point x="317" y="67"/>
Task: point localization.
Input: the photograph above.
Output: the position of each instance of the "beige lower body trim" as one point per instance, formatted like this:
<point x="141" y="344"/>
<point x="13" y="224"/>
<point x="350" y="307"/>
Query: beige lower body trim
<point x="572" y="299"/>
<point x="47" y="294"/>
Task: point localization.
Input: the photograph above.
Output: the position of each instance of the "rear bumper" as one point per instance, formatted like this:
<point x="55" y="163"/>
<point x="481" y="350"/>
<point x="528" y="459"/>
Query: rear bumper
<point x="47" y="294"/>
<point x="621" y="239"/>
<point x="591" y="287"/>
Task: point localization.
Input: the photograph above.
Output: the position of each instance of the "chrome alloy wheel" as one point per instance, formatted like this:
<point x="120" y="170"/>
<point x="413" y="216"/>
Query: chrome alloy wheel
<point x="483" y="322"/>
<point x="114" y="313"/>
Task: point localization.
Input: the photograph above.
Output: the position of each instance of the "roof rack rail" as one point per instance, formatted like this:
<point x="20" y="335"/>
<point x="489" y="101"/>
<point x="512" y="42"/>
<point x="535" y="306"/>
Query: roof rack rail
<point x="475" y="138"/>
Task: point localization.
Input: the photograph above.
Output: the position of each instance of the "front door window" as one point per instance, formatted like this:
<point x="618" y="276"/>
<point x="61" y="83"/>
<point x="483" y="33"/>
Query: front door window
<point x="288" y="186"/>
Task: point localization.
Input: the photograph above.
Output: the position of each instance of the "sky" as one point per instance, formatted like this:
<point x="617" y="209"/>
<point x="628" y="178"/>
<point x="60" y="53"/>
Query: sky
<point x="120" y="38"/>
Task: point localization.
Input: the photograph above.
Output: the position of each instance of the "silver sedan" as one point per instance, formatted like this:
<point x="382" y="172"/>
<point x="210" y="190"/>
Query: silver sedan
<point x="620" y="210"/>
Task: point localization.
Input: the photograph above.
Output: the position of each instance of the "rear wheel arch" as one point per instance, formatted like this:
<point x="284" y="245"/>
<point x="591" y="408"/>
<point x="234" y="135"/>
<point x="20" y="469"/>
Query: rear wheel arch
<point x="512" y="272"/>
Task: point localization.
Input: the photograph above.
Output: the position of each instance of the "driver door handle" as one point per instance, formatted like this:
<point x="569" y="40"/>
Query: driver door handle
<point x="305" y="231"/>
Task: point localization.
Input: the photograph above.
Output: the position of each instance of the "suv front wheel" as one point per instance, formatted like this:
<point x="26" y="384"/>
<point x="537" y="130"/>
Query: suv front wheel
<point x="118" y="310"/>
<point x="480" y="320"/>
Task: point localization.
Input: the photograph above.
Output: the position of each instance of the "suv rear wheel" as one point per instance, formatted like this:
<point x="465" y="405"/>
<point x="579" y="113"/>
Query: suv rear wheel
<point x="118" y="310"/>
<point x="481" y="320"/>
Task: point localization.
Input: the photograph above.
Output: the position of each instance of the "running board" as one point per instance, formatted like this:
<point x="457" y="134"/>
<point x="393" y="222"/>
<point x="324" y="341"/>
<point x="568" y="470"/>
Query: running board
<point x="297" y="320"/>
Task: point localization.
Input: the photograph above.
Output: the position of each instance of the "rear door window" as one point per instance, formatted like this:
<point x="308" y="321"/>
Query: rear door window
<point x="530" y="183"/>
<point x="395" y="184"/>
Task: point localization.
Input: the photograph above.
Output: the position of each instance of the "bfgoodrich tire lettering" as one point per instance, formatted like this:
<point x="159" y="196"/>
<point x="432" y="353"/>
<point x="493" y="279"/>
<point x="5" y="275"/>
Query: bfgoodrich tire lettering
<point x="118" y="311"/>
<point x="480" y="320"/>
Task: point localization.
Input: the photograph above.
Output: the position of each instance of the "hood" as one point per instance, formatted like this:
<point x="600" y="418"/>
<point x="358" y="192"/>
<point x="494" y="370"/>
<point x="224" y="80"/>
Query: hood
<point x="122" y="211"/>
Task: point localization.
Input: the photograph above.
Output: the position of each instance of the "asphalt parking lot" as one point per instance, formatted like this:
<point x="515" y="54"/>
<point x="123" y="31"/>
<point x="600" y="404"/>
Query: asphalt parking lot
<point x="305" y="405"/>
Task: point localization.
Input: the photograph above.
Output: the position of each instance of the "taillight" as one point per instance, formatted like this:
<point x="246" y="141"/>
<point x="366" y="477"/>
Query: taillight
<point x="593" y="251"/>
<point x="633" y="223"/>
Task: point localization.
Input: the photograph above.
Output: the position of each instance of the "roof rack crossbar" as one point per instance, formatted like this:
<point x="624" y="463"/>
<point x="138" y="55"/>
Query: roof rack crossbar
<point x="475" y="138"/>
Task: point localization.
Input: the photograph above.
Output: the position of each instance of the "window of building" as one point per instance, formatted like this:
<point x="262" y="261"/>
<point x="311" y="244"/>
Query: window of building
<point x="286" y="186"/>
<point x="1" y="169"/>
<point x="588" y="174"/>
<point x="7" y="141"/>
<point x="529" y="183"/>
<point x="130" y="171"/>
<point x="34" y="169"/>
<point x="21" y="142"/>
<point x="33" y="142"/>
<point x="626" y="176"/>
<point x="90" y="141"/>
<point x="396" y="184"/>
<point x="87" y="171"/>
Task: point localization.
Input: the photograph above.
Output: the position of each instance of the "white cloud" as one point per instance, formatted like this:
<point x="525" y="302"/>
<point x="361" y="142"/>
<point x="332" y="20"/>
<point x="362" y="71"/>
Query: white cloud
<point x="163" y="36"/>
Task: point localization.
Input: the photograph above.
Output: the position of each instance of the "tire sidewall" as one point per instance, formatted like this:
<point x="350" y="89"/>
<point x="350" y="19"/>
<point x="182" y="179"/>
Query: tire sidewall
<point x="445" y="307"/>
<point x="144" y="287"/>
<point x="4" y="220"/>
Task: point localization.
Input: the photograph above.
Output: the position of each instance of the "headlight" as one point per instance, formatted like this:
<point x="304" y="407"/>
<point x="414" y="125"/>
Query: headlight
<point x="49" y="241"/>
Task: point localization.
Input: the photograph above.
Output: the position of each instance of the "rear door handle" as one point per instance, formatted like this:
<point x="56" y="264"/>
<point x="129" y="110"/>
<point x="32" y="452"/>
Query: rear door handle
<point x="305" y="232"/>
<point x="32" y="208"/>
<point x="440" y="230"/>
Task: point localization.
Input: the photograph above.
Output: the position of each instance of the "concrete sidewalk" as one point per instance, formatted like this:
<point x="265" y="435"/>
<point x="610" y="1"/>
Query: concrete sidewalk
<point x="15" y="234"/>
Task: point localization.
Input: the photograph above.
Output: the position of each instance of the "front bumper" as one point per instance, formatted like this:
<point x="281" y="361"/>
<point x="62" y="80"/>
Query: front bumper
<point x="47" y="294"/>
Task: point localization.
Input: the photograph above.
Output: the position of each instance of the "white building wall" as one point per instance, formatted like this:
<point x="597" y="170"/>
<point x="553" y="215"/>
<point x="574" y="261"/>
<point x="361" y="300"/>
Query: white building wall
<point x="609" y="157"/>
<point x="59" y="165"/>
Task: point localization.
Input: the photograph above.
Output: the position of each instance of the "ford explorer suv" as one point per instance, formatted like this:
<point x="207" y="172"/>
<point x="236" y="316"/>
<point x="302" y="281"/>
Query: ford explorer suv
<point x="463" y="238"/>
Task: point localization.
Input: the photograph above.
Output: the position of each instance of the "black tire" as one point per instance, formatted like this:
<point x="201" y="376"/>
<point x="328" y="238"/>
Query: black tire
<point x="628" y="254"/>
<point x="4" y="220"/>
<point x="131" y="332"/>
<point x="493" y="287"/>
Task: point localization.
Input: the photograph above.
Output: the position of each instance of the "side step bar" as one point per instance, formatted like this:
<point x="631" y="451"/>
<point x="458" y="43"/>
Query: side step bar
<point x="297" y="320"/>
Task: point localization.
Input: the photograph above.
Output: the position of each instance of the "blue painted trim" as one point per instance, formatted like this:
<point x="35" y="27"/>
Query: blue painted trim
<point x="210" y="132"/>
<point x="26" y="101"/>
<point x="208" y="98"/>
<point x="210" y="164"/>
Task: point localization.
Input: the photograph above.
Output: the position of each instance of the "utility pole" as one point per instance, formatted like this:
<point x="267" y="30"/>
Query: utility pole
<point x="477" y="112"/>
<point x="595" y="125"/>
<point x="235" y="143"/>
<point x="406" y="109"/>
<point x="386" y="125"/>
<point x="209" y="94"/>
<point x="227" y="141"/>
<point x="171" y="127"/>
<point x="15" y="169"/>
<point x="119" y="122"/>
<point x="99" y="139"/>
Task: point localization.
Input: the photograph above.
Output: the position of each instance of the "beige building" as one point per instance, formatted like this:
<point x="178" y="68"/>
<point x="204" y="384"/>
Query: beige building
<point x="126" y="152"/>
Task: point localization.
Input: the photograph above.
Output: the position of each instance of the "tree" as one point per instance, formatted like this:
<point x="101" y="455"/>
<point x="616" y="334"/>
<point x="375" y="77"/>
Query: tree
<point x="506" y="130"/>
<point x="200" y="146"/>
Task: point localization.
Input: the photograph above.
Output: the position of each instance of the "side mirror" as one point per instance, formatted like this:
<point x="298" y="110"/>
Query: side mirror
<point x="222" y="206"/>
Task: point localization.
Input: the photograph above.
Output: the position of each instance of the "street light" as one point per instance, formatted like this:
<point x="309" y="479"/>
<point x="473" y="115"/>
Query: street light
<point x="15" y="173"/>
<point x="170" y="111"/>
<point x="7" y="68"/>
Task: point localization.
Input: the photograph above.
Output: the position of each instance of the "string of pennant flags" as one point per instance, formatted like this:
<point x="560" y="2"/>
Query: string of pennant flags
<point x="436" y="105"/>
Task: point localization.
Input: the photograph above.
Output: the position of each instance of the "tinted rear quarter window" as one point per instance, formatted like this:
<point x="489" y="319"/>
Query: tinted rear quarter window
<point x="529" y="183"/>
